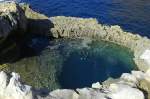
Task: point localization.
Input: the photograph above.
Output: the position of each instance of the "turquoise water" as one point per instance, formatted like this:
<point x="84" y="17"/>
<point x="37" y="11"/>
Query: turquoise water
<point x="74" y="63"/>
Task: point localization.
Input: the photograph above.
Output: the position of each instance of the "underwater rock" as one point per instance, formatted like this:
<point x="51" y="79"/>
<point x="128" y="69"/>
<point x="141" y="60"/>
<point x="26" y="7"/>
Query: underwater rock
<point x="80" y="27"/>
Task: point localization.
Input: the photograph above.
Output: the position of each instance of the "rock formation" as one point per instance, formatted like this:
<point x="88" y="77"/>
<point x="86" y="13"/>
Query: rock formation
<point x="12" y="19"/>
<point x="12" y="88"/>
<point x="129" y="86"/>
<point x="78" y="27"/>
<point x="12" y="27"/>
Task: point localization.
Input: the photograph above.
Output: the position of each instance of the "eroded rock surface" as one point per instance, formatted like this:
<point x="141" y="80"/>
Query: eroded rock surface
<point x="12" y="26"/>
<point x="12" y="88"/>
<point x="78" y="27"/>
<point x="12" y="19"/>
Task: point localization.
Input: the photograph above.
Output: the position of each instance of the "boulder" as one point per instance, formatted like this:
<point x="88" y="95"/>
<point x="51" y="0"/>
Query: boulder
<point x="12" y="88"/>
<point x="97" y="85"/>
<point x="120" y="91"/>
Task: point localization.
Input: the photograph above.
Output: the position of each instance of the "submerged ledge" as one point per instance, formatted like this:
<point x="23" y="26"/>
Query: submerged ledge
<point x="20" y="18"/>
<point x="79" y="27"/>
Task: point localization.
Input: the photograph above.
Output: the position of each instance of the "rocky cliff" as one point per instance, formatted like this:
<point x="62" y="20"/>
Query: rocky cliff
<point x="12" y="27"/>
<point x="18" y="19"/>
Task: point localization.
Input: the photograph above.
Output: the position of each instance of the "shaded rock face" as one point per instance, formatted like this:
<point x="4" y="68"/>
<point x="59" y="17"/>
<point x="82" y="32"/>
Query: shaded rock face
<point x="37" y="23"/>
<point x="12" y="19"/>
<point x="12" y="28"/>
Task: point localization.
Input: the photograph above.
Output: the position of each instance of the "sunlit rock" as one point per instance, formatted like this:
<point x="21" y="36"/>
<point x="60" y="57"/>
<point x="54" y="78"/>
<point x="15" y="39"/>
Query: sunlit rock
<point x="11" y="18"/>
<point x="88" y="93"/>
<point x="146" y="56"/>
<point x="96" y="85"/>
<point x="129" y="77"/>
<point x="120" y="91"/>
<point x="138" y="74"/>
<point x="63" y="94"/>
<point x="14" y="89"/>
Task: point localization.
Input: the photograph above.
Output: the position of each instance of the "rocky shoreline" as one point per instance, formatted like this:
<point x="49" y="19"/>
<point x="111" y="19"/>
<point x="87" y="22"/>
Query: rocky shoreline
<point x="18" y="20"/>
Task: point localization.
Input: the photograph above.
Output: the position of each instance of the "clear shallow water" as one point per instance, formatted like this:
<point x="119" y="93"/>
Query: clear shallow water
<point x="131" y="15"/>
<point x="69" y="63"/>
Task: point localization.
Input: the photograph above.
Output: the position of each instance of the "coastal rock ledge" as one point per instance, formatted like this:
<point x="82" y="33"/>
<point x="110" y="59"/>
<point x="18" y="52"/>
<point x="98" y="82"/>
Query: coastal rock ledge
<point x="16" y="19"/>
<point x="128" y="86"/>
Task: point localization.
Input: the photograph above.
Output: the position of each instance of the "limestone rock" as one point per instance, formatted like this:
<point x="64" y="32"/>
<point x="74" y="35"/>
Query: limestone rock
<point x="96" y="85"/>
<point x="13" y="89"/>
<point x="88" y="93"/>
<point x="146" y="56"/>
<point x="12" y="18"/>
<point x="64" y="94"/>
<point x="37" y="23"/>
<point x="119" y="91"/>
<point x="129" y="78"/>
<point x="12" y="27"/>
<point x="78" y="27"/>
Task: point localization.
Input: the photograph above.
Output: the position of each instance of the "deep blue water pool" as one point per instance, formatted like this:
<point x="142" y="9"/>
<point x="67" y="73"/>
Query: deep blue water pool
<point x="74" y="63"/>
<point x="131" y="15"/>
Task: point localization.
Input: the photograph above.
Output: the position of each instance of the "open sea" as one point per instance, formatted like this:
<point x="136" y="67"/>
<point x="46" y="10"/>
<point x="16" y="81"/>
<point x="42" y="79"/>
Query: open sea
<point x="131" y="15"/>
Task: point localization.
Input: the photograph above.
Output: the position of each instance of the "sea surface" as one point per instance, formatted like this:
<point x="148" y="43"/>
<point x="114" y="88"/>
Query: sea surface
<point x="131" y="15"/>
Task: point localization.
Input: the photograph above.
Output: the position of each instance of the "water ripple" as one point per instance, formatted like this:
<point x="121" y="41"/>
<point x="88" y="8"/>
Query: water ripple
<point x="131" y="15"/>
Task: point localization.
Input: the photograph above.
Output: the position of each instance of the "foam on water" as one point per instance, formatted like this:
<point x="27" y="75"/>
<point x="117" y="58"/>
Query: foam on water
<point x="10" y="1"/>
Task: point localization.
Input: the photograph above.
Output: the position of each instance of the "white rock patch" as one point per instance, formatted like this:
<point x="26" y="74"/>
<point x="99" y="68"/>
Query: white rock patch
<point x="14" y="89"/>
<point x="120" y="91"/>
<point x="96" y="85"/>
<point x="146" y="56"/>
